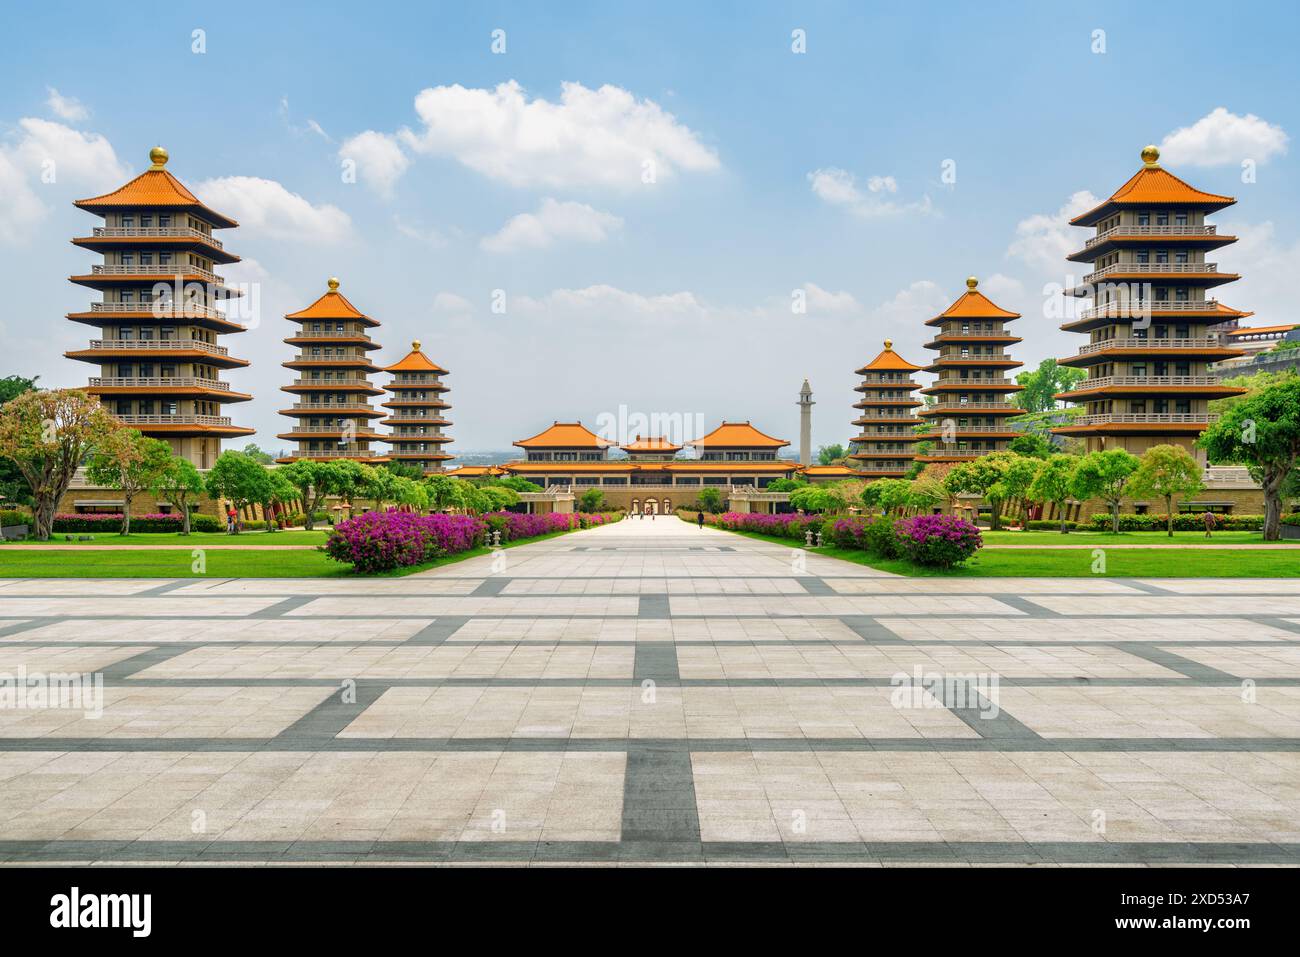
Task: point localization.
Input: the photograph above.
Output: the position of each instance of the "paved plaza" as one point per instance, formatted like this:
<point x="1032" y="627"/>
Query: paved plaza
<point x="653" y="692"/>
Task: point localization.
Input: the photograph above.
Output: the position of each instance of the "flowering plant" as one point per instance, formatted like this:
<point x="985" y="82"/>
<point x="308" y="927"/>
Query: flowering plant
<point x="940" y="541"/>
<point x="381" y="541"/>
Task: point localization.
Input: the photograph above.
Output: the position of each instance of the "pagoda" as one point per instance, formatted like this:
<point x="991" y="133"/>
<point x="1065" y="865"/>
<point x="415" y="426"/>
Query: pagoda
<point x="157" y="352"/>
<point x="332" y="410"/>
<point x="1150" y="338"/>
<point x="415" y="411"/>
<point x="883" y="448"/>
<point x="968" y="417"/>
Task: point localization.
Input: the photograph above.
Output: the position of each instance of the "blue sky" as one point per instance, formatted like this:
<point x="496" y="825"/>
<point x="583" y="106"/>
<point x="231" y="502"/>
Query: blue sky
<point x="775" y="172"/>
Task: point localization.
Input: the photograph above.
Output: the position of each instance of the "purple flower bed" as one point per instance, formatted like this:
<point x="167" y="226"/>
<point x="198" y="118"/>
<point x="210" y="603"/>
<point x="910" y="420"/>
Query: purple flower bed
<point x="103" y="522"/>
<point x="783" y="526"/>
<point x="940" y="541"/>
<point x="381" y="541"/>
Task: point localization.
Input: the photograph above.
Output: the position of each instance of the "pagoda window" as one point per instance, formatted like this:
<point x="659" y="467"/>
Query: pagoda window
<point x="1182" y="331"/>
<point x="168" y="407"/>
<point x="566" y="456"/>
<point x="1180" y="219"/>
<point x="1162" y="255"/>
<point x="126" y="221"/>
<point x="146" y="370"/>
<point x="123" y="406"/>
<point x="1182" y="368"/>
<point x="1138" y="369"/>
<point x="167" y="372"/>
<point x="1162" y="218"/>
<point x="146" y="407"/>
<point x="126" y="259"/>
<point x="164" y="259"/>
<point x="164" y="220"/>
<point x="146" y="259"/>
<point x="1183" y="406"/>
<point x="1144" y="256"/>
<point x="1137" y="405"/>
<point x="1161" y="406"/>
<point x="146" y="221"/>
<point x="1182" y="294"/>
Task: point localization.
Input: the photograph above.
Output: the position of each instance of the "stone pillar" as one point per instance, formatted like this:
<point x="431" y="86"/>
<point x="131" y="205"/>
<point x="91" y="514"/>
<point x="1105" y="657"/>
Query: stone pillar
<point x="805" y="424"/>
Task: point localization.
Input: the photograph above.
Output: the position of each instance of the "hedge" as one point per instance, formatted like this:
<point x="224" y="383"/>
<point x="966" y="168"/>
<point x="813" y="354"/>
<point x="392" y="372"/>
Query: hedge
<point x="1183" y="522"/>
<point x="1049" y="525"/>
<point x="111" y="522"/>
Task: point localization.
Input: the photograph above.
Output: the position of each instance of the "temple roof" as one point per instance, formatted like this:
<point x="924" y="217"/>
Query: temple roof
<point x="1153" y="186"/>
<point x="888" y="361"/>
<point x="156" y="187"/>
<point x="1229" y="311"/>
<point x="738" y="435"/>
<point x="1261" y="330"/>
<point x="565" y="435"/>
<point x="651" y="443"/>
<point x="332" y="305"/>
<point x="415" y="361"/>
<point x="972" y="304"/>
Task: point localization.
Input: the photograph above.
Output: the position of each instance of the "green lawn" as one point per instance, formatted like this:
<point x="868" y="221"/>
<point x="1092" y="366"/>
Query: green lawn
<point x="1242" y="562"/>
<point x="1126" y="538"/>
<point x="194" y="539"/>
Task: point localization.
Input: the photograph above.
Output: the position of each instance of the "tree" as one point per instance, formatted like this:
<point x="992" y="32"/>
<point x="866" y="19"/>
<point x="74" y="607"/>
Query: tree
<point x="785" y="485"/>
<point x="13" y="487"/>
<point x="276" y="491"/>
<point x="1105" y="474"/>
<point x="1053" y="483"/>
<point x="889" y="494"/>
<point x="831" y="454"/>
<point x="710" y="500"/>
<point x="1018" y="474"/>
<point x="443" y="492"/>
<point x="1263" y="434"/>
<point x="405" y="470"/>
<point x="257" y="455"/>
<point x="379" y="485"/>
<point x="981" y="477"/>
<point x="1032" y="445"/>
<point x="1042" y="384"/>
<point x="1253" y="384"/>
<point x="591" y="500"/>
<point x="239" y="480"/>
<point x="518" y="483"/>
<point x="926" y="491"/>
<point x="1166" y="471"/>
<point x="498" y="497"/>
<point x="47" y="434"/>
<point x="131" y="463"/>
<point x="178" y="482"/>
<point x="310" y="479"/>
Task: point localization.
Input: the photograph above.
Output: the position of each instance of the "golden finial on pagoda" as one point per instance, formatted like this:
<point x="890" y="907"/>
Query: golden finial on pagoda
<point x="158" y="157"/>
<point x="415" y="346"/>
<point x="889" y="345"/>
<point x="333" y="283"/>
<point x="1151" y="157"/>
<point x="971" y="283"/>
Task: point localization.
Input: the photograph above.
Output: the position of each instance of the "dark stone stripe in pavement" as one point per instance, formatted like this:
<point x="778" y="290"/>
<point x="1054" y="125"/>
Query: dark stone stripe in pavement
<point x="332" y="715"/>
<point x="653" y="607"/>
<point x="871" y="631"/>
<point x="1020" y="603"/>
<point x="816" y="586"/>
<point x="164" y="588"/>
<point x="1202" y="674"/>
<point x="281" y="607"/>
<point x="659" y="798"/>
<point x="490" y="587"/>
<point x="655" y="660"/>
<point x="127" y="667"/>
<point x="986" y="718"/>
<point x="796" y="852"/>
<point x="437" y="631"/>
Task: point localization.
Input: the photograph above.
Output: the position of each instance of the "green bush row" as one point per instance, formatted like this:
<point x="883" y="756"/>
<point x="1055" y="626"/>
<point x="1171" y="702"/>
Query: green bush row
<point x="1183" y="522"/>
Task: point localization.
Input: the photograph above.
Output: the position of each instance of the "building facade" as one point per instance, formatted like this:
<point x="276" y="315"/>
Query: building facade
<point x="416" y="410"/>
<point x="1150" y="346"/>
<point x="968" y="417"/>
<point x="158" y="354"/>
<point x="333" y="417"/>
<point x="885" y="444"/>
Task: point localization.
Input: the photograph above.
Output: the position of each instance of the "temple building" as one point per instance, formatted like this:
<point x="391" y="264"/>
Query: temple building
<point x="415" y="412"/>
<point x="157" y="351"/>
<point x="332" y="409"/>
<point x="884" y="445"/>
<point x="1150" y="346"/>
<point x="968" y="417"/>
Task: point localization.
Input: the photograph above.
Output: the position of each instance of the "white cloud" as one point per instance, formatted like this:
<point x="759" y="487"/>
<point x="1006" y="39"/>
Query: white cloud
<point x="20" y="208"/>
<point x="912" y="305"/>
<point x="601" y="137"/>
<point x="1221" y="138"/>
<point x="603" y="303"/>
<point x="1003" y="290"/>
<point x="263" y="206"/>
<point x="823" y="302"/>
<point x="553" y="222"/>
<point x="431" y="237"/>
<point x="66" y="107"/>
<point x="379" y="159"/>
<point x="1267" y="265"/>
<point x="1044" y="239"/>
<point x="839" y="187"/>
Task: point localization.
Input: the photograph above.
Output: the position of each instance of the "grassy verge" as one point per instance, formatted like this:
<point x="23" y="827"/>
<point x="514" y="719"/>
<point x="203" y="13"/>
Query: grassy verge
<point x="219" y="563"/>
<point x="194" y="539"/>
<point x="1242" y="562"/>
<point x="1125" y="538"/>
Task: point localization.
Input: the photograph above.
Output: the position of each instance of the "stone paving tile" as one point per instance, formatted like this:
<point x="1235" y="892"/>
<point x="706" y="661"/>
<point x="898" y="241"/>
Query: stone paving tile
<point x="981" y="586"/>
<point x="325" y="586"/>
<point x="137" y="607"/>
<point x="847" y="605"/>
<point x="46" y="587"/>
<point x="224" y="630"/>
<point x="1073" y="630"/>
<point x="462" y="605"/>
<point x="1282" y="661"/>
<point x="64" y="660"/>
<point x="1176" y="605"/>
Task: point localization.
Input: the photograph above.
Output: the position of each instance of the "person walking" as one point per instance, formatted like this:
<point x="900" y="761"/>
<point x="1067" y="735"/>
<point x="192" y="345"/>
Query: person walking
<point x="699" y="520"/>
<point x="230" y="519"/>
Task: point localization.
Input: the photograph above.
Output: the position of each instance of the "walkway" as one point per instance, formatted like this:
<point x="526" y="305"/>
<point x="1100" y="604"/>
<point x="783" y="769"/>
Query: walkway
<point x="649" y="691"/>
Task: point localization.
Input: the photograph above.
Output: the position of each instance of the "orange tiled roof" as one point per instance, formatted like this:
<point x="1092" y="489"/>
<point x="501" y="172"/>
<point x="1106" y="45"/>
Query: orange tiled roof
<point x="332" y="305"/>
<point x="973" y="304"/>
<point x="570" y="466"/>
<point x="1229" y="311"/>
<point x="1154" y="186"/>
<point x="1260" y="330"/>
<point x="738" y="435"/>
<point x="473" y="471"/>
<point x="565" y="435"/>
<point x="651" y="443"/>
<point x="888" y="360"/>
<point x="829" y="470"/>
<point x="415" y="361"/>
<point x="155" y="187"/>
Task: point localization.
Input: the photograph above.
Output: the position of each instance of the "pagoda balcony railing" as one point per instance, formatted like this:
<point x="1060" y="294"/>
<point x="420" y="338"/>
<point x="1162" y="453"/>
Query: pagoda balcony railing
<point x="319" y="334"/>
<point x="1146" y="418"/>
<point x="155" y="232"/>
<point x="336" y="453"/>
<point x="880" y="382"/>
<point x="162" y="309"/>
<point x="1150" y="269"/>
<point x="417" y="436"/>
<point x="977" y="427"/>
<point x="881" y="467"/>
<point x="884" y="433"/>
<point x="1155" y="381"/>
<point x="1151" y="231"/>
<point x="944" y="406"/>
<point x="163" y="382"/>
<point x="175" y="270"/>
<point x="947" y="452"/>
<point x="970" y="357"/>
<point x="342" y="427"/>
<point x="417" y="380"/>
<point x="331" y="407"/>
<point x="1211" y="342"/>
<point x="1148" y="305"/>
<point x="336" y="380"/>
<point x="975" y="383"/>
<point x="301" y="357"/>
<point x="870" y="413"/>
<point x="173" y="419"/>
<point x="159" y="345"/>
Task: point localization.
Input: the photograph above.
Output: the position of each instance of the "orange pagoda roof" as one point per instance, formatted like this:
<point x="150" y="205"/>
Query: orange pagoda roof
<point x="415" y="361"/>
<point x="1229" y="311"/>
<point x="155" y="187"/>
<point x="736" y="435"/>
<point x="655" y="443"/>
<point x="1153" y="186"/>
<point x="473" y="471"/>
<point x="565" y="435"/>
<point x="888" y="361"/>
<point x="1260" y="330"/>
<point x="332" y="305"/>
<point x="972" y="304"/>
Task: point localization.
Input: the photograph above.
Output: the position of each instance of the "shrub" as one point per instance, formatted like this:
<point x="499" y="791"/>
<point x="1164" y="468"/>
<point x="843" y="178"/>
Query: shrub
<point x="1291" y="519"/>
<point x="881" y="539"/>
<point x="939" y="541"/>
<point x="381" y="541"/>
<point x="14" y="516"/>
<point x="794" y="527"/>
<point x="1049" y="525"/>
<point x="849" y="532"/>
<point x="1183" y="522"/>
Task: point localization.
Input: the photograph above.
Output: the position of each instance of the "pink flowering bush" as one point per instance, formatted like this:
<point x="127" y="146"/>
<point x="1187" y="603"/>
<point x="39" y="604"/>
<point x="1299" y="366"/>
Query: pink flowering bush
<point x="847" y="531"/>
<point x="381" y="541"/>
<point x="783" y="526"/>
<point x="940" y="541"/>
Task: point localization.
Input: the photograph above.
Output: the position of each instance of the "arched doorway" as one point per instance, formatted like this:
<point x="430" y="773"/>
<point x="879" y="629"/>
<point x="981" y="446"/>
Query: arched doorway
<point x="651" y="506"/>
<point x="668" y="506"/>
<point x="636" y="506"/>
